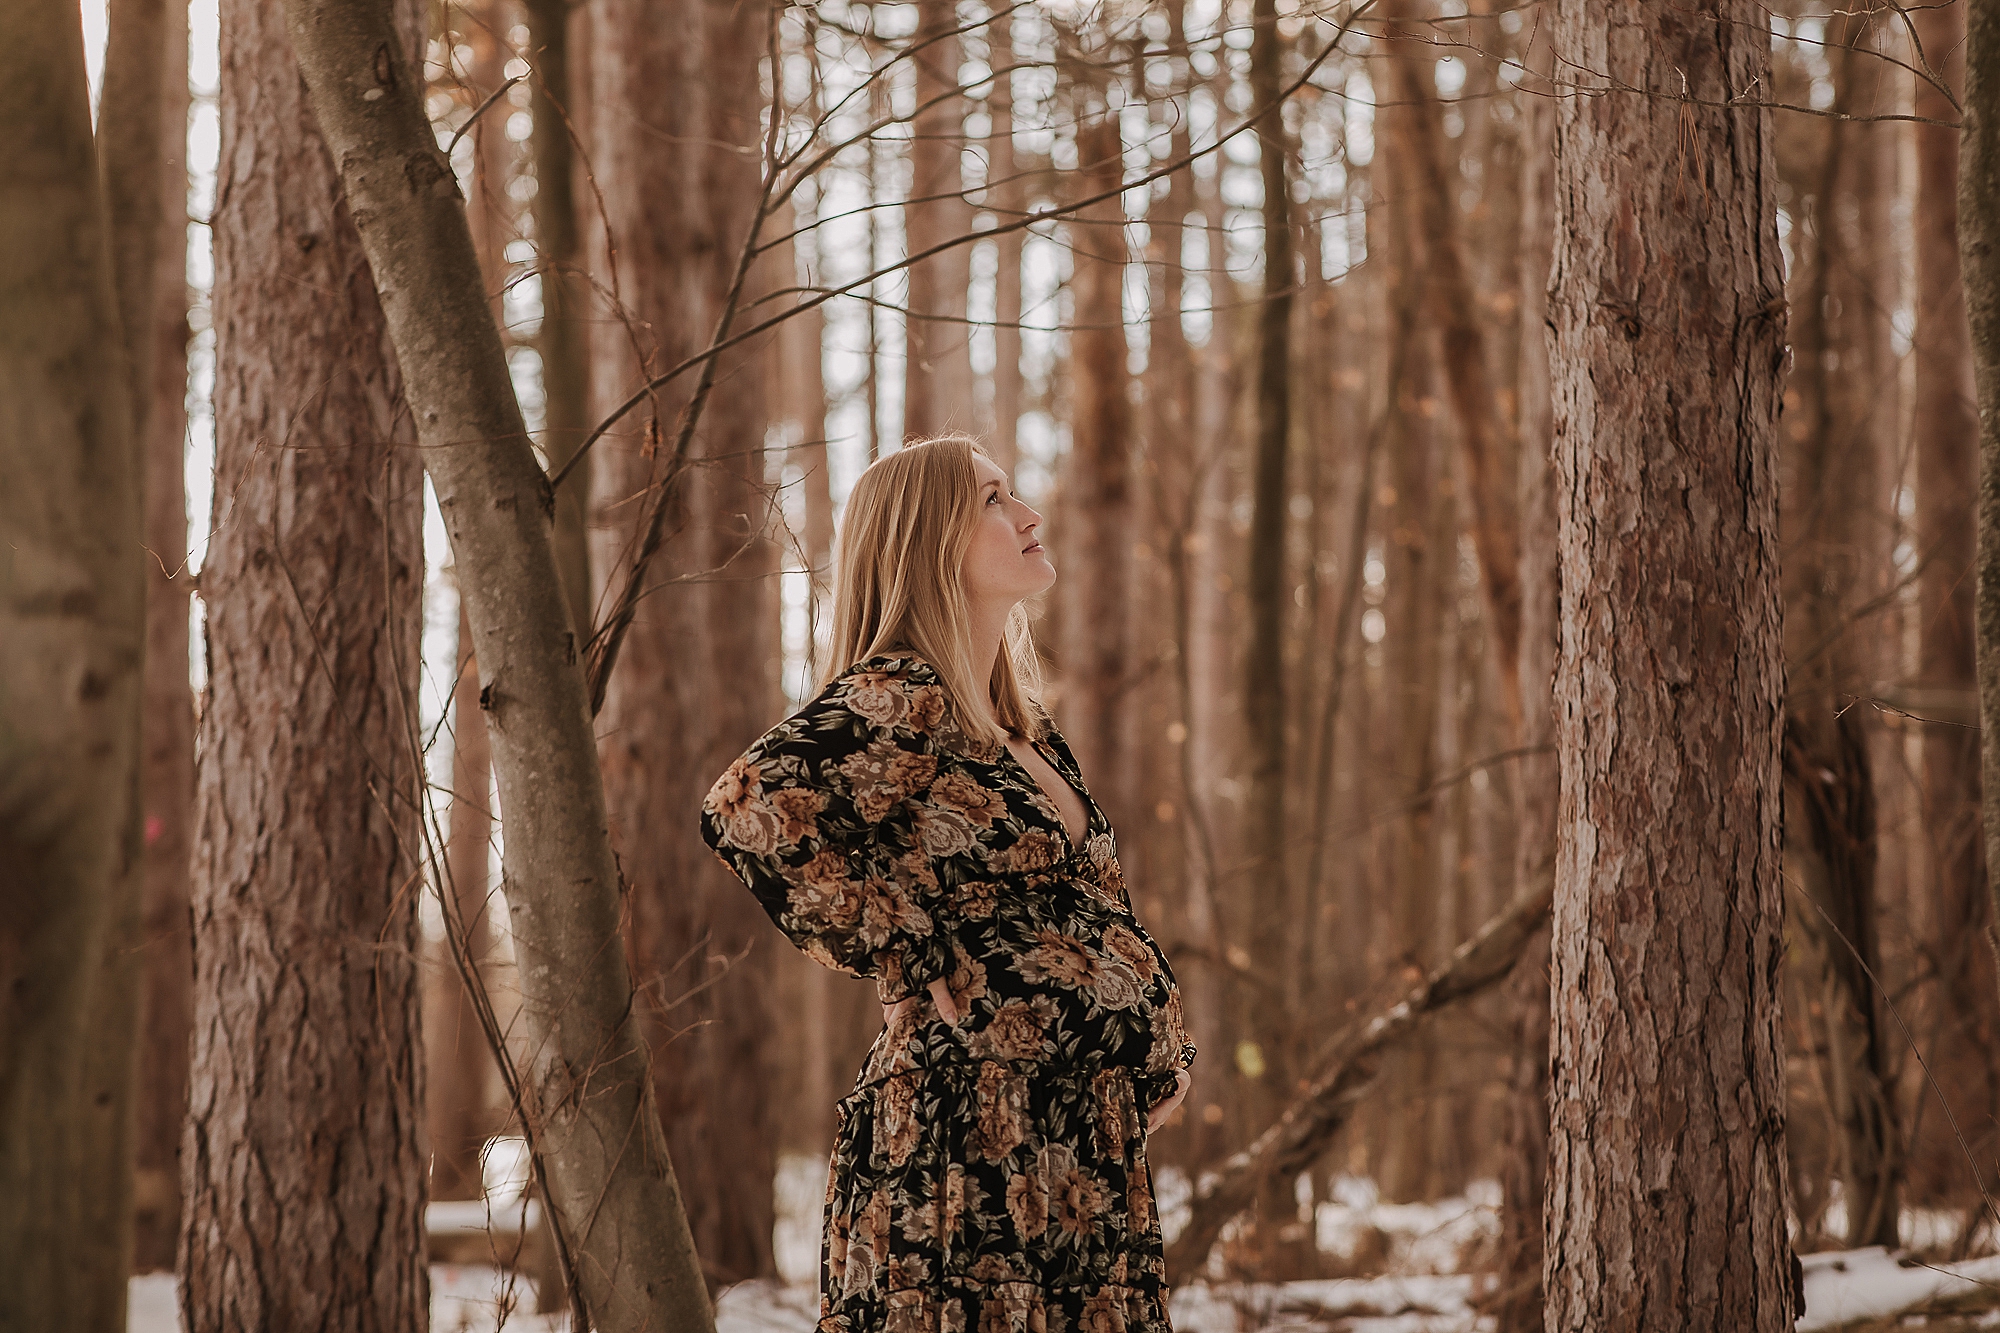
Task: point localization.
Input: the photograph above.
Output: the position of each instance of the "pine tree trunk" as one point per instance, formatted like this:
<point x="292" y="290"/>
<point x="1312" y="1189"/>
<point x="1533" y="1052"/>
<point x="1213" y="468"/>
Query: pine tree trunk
<point x="303" y="1160"/>
<point x="1097" y="483"/>
<point x="1517" y="1307"/>
<point x="1979" y="240"/>
<point x="166" y="776"/>
<point x="937" y="382"/>
<point x="1666" y="1161"/>
<point x="1834" y="444"/>
<point x="72" y="633"/>
<point x="586" y="1079"/>
<point x="1946" y="425"/>
<point x="1009" y="200"/>
<point x="697" y="679"/>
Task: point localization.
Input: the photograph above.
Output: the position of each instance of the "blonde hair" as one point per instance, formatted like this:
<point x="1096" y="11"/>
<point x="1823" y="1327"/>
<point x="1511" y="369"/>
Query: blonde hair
<point x="896" y="587"/>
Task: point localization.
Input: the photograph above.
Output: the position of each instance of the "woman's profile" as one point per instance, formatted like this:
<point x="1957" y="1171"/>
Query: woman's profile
<point x="922" y="823"/>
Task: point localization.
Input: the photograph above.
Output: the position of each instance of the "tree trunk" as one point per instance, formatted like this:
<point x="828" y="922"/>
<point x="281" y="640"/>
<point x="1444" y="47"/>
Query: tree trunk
<point x="937" y="371"/>
<point x="72" y="627"/>
<point x="1517" y="1302"/>
<point x="698" y="677"/>
<point x="459" y="1066"/>
<point x="1979" y="240"/>
<point x="166" y="776"/>
<point x="1009" y="196"/>
<point x="1666" y="1161"/>
<point x="1486" y="444"/>
<point x="587" y="1084"/>
<point x="564" y="341"/>
<point x="1097" y="481"/>
<point x="1834" y="449"/>
<point x="1947" y="430"/>
<point x="142" y="135"/>
<point x="303" y="1159"/>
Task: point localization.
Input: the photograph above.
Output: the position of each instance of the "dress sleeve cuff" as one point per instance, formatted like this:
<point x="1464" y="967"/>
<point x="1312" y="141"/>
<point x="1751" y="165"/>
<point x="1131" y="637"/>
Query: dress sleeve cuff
<point x="910" y="965"/>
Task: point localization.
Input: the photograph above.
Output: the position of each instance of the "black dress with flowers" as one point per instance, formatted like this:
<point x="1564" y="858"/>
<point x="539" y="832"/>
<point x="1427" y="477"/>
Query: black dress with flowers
<point x="988" y="1176"/>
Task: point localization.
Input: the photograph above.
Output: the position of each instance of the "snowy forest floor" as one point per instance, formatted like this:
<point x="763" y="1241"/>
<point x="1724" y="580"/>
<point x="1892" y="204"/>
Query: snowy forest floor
<point x="1415" y="1270"/>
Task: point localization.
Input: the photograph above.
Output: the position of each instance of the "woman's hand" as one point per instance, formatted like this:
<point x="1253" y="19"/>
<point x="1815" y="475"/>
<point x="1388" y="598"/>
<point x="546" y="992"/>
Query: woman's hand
<point x="940" y="995"/>
<point x="1169" y="1104"/>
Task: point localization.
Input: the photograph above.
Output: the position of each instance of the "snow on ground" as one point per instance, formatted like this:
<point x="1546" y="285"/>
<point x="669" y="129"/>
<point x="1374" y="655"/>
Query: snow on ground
<point x="1846" y="1285"/>
<point x="1422" y="1258"/>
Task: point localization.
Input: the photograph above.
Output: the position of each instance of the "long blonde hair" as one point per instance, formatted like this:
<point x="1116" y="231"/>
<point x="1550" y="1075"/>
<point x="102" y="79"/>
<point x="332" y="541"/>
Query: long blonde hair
<point x="896" y="587"/>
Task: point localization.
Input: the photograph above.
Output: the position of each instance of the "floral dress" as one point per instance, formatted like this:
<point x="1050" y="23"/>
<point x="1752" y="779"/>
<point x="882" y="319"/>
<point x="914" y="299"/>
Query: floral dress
<point x="988" y="1175"/>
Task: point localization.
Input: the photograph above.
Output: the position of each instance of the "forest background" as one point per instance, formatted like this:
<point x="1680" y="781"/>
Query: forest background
<point x="1251" y="298"/>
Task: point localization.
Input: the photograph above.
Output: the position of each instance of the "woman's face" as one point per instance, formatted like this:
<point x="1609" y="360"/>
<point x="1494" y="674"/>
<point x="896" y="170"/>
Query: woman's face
<point x="1004" y="563"/>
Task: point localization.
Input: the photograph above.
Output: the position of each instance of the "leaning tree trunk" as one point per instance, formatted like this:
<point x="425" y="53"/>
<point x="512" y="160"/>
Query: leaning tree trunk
<point x="587" y="1085"/>
<point x="72" y="625"/>
<point x="696" y="680"/>
<point x="303" y="1157"/>
<point x="1947" y="427"/>
<point x="1666" y="1159"/>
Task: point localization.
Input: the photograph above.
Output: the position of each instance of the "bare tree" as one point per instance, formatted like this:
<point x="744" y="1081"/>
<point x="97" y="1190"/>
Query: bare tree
<point x="1946" y="426"/>
<point x="696" y="680"/>
<point x="586" y="1090"/>
<point x="303" y="1157"/>
<point x="937" y="370"/>
<point x="1666" y="1161"/>
<point x="72" y="627"/>
<point x="1979" y="234"/>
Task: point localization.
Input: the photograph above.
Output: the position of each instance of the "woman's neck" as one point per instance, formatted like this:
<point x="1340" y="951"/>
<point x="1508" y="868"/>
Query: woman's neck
<point x="989" y="631"/>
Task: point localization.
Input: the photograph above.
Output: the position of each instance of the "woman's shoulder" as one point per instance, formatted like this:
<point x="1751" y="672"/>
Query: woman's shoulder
<point x="889" y="692"/>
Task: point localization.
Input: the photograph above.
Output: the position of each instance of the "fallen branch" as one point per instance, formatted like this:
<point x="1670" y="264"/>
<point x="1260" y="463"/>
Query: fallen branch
<point x="1347" y="1072"/>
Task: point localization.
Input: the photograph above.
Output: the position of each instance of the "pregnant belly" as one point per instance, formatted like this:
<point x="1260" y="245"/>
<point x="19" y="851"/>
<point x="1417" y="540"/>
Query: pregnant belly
<point x="1065" y="984"/>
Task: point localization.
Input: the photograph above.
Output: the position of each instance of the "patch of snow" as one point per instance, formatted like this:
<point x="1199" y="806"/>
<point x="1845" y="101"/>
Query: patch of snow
<point x="1844" y="1285"/>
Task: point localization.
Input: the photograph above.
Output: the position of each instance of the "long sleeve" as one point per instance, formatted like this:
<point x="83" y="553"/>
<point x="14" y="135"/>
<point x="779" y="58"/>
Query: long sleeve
<point x="816" y="819"/>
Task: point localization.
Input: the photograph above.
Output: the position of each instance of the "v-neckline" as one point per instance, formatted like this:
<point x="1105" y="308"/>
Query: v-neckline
<point x="1062" y="825"/>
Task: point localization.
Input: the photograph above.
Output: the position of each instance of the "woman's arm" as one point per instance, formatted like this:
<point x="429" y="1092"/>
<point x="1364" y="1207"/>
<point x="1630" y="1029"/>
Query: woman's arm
<point x="815" y="819"/>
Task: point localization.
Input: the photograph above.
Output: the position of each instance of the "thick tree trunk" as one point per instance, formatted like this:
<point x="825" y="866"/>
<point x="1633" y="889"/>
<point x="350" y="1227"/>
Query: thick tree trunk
<point x="1947" y="430"/>
<point x="303" y="1160"/>
<point x="1008" y="195"/>
<point x="564" y="341"/>
<point x="588" y="1087"/>
<point x="937" y="375"/>
<point x="72" y="627"/>
<point x="1097" y="483"/>
<point x="166" y="775"/>
<point x="1666" y="1161"/>
<point x="698" y="677"/>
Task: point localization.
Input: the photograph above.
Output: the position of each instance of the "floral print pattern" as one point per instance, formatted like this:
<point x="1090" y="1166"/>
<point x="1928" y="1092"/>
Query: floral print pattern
<point x="988" y="1175"/>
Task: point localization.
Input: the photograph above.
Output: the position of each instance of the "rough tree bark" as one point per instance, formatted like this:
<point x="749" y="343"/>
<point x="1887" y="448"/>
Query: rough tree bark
<point x="72" y="627"/>
<point x="698" y="676"/>
<point x="166" y="775"/>
<point x="1666" y="1156"/>
<point x="1946" y="425"/>
<point x="303" y="1155"/>
<point x="937" y="369"/>
<point x="588" y="1087"/>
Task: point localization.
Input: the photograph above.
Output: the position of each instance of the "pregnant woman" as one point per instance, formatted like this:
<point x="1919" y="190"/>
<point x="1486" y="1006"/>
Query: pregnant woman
<point x="922" y="823"/>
